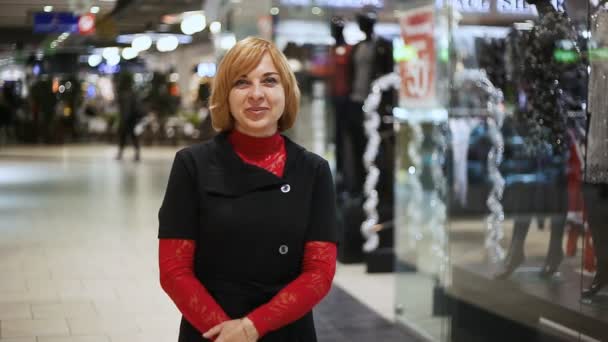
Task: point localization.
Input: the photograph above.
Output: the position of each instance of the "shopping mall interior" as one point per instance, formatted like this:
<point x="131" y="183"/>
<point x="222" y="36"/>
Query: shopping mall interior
<point x="467" y="142"/>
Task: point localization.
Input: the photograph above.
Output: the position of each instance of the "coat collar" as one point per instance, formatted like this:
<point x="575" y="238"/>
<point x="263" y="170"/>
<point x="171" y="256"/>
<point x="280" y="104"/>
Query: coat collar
<point x="231" y="176"/>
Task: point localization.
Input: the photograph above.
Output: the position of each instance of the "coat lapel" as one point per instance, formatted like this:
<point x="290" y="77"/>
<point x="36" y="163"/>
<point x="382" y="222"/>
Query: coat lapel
<point x="228" y="175"/>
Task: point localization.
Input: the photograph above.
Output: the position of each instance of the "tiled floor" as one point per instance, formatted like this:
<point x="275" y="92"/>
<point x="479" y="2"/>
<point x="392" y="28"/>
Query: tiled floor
<point x="78" y="254"/>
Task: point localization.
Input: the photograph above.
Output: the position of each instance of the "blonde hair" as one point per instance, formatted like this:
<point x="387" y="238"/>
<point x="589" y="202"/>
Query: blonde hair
<point x="240" y="60"/>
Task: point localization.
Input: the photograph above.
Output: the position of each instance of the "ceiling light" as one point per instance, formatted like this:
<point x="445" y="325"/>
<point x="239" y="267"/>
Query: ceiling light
<point x="215" y="27"/>
<point x="113" y="60"/>
<point x="129" y="53"/>
<point x="48" y="8"/>
<point x="206" y="69"/>
<point x="274" y="11"/>
<point x="167" y="43"/>
<point x="109" y="52"/>
<point x="193" y="23"/>
<point x="316" y="10"/>
<point x="94" y="60"/>
<point x="170" y="19"/>
<point x="95" y="9"/>
<point x="227" y="41"/>
<point x="141" y="43"/>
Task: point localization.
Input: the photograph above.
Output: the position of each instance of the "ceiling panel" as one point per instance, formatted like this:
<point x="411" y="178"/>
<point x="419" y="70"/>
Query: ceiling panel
<point x="128" y="16"/>
<point x="20" y="13"/>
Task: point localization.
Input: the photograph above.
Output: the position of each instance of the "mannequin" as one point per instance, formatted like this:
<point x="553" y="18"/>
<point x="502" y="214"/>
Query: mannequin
<point x="340" y="88"/>
<point x="370" y="59"/>
<point x="595" y="187"/>
<point x="544" y="127"/>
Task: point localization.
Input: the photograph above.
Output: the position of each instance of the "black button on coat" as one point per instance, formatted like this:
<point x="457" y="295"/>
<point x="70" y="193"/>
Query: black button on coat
<point x="250" y="226"/>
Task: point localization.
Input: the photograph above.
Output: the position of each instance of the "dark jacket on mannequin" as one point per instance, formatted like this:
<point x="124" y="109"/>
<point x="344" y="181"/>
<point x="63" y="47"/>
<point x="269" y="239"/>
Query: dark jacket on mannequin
<point x="383" y="58"/>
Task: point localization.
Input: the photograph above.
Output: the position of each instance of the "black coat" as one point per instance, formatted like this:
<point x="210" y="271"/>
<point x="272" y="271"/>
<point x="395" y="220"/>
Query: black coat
<point x="249" y="225"/>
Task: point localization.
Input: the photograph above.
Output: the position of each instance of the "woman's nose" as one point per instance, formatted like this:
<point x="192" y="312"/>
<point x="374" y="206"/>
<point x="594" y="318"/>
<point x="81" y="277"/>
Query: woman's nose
<point x="256" y="92"/>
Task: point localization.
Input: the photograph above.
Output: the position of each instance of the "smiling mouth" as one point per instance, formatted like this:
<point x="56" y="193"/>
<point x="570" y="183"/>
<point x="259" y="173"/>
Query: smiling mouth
<point x="256" y="110"/>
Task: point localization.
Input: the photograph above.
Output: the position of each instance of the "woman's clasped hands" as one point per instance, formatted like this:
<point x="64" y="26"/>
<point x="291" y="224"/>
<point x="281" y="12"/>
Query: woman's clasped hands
<point x="236" y="330"/>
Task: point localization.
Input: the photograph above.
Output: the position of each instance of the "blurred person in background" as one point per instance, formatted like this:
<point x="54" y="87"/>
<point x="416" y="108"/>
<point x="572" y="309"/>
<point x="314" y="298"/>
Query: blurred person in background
<point x="247" y="226"/>
<point x="6" y="118"/>
<point x="129" y="112"/>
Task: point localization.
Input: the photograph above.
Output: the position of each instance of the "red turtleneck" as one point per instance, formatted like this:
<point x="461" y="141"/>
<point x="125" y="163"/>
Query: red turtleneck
<point x="267" y="152"/>
<point x="176" y="260"/>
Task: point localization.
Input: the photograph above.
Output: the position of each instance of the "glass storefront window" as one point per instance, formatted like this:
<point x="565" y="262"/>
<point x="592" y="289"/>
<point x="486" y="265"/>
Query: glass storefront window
<point x="502" y="167"/>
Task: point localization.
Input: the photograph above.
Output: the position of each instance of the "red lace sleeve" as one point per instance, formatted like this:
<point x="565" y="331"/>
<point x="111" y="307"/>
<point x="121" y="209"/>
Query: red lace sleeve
<point x="303" y="293"/>
<point x="176" y="263"/>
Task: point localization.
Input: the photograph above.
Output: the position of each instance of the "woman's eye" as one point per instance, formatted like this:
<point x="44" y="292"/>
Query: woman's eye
<point x="240" y="83"/>
<point x="271" y="80"/>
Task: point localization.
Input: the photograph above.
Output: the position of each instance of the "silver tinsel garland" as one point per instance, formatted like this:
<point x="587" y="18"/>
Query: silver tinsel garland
<point x="372" y="122"/>
<point x="494" y="115"/>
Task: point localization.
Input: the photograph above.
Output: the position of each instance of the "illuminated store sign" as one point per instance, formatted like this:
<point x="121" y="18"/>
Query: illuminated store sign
<point x="55" y="22"/>
<point x="334" y="3"/>
<point x="62" y="22"/>
<point x="498" y="6"/>
<point x="478" y="6"/>
<point x="521" y="6"/>
<point x="418" y="74"/>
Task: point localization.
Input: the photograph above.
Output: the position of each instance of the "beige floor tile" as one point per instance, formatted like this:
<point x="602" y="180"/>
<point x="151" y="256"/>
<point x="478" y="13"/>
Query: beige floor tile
<point x="88" y="294"/>
<point x="18" y="339"/>
<point x="145" y="295"/>
<point x="10" y="311"/>
<point x="74" y="339"/>
<point x="35" y="259"/>
<point x="41" y="295"/>
<point x="354" y="280"/>
<point x="42" y="327"/>
<point x="76" y="309"/>
<point x="158" y="323"/>
<point x="36" y="271"/>
<point x="58" y="285"/>
<point x="109" y="308"/>
<point x="12" y="284"/>
<point x="145" y="337"/>
<point x="130" y="307"/>
<point x="64" y="272"/>
<point x="11" y="264"/>
<point x="103" y="325"/>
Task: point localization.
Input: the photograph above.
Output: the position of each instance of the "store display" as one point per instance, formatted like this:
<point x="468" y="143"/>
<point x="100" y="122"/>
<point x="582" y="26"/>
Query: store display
<point x="596" y="169"/>
<point x="524" y="169"/>
<point x="460" y="131"/>
<point x="476" y="101"/>
<point x="543" y="126"/>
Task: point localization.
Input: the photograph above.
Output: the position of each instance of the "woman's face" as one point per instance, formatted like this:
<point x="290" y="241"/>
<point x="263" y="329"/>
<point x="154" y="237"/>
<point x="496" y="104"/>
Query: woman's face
<point x="257" y="100"/>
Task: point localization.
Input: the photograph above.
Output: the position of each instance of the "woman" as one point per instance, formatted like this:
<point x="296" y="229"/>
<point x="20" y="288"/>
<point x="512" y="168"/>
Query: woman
<point x="247" y="226"/>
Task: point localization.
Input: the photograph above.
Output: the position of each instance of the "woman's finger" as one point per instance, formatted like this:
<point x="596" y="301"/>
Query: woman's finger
<point x="213" y="331"/>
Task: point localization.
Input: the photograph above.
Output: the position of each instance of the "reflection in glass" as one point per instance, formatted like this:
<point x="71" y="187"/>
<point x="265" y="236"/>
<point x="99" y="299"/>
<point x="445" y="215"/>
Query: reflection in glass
<point x="596" y="175"/>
